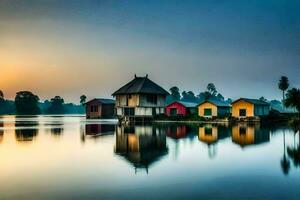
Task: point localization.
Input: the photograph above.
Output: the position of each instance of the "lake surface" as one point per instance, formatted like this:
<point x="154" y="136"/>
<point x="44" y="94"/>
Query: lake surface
<point x="69" y="157"/>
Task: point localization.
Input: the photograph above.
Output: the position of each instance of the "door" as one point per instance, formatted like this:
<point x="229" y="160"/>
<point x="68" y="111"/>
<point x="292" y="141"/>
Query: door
<point x="173" y="111"/>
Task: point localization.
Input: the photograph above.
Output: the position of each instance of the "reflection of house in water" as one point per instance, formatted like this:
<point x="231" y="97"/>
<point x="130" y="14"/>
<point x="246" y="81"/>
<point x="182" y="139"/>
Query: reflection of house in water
<point x="26" y="131"/>
<point x="177" y="131"/>
<point x="141" y="145"/>
<point x="99" y="129"/>
<point x="24" y="135"/>
<point x="245" y="134"/>
<point x="211" y="134"/>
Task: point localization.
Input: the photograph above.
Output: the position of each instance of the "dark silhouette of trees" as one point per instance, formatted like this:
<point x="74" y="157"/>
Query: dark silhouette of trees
<point x="188" y="96"/>
<point x="263" y="99"/>
<point x="82" y="99"/>
<point x="175" y="93"/>
<point x="220" y="97"/>
<point x="283" y="85"/>
<point x="229" y="100"/>
<point x="26" y="103"/>
<point x="204" y="96"/>
<point x="211" y="93"/>
<point x="211" y="88"/>
<point x="293" y="99"/>
<point x="56" y="106"/>
<point x="1" y="95"/>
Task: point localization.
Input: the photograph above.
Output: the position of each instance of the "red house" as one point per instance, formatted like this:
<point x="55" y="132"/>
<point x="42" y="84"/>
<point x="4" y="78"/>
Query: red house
<point x="180" y="108"/>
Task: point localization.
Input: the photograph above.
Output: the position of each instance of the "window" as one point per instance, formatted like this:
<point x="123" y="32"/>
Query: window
<point x="173" y="111"/>
<point x="152" y="98"/>
<point x="207" y="112"/>
<point x="243" y="112"/>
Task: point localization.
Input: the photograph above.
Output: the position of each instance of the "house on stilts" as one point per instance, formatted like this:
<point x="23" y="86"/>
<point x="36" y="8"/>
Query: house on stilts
<point x="139" y="100"/>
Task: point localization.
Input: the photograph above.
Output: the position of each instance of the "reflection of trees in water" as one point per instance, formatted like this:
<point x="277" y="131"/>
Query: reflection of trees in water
<point x="1" y="131"/>
<point x="57" y="131"/>
<point x="294" y="151"/>
<point x="26" y="130"/>
<point x="141" y="145"/>
<point x="285" y="163"/>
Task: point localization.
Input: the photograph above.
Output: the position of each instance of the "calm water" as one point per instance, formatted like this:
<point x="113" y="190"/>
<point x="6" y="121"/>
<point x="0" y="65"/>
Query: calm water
<point x="66" y="157"/>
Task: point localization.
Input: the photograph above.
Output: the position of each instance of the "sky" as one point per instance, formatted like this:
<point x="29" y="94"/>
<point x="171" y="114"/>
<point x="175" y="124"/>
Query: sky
<point x="75" y="47"/>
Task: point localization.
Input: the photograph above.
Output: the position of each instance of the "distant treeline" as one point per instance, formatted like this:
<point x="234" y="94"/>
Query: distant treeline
<point x="189" y="96"/>
<point x="26" y="103"/>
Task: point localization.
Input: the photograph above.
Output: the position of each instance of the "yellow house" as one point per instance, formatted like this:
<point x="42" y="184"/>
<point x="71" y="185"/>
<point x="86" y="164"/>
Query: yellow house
<point x="244" y="107"/>
<point x="213" y="108"/>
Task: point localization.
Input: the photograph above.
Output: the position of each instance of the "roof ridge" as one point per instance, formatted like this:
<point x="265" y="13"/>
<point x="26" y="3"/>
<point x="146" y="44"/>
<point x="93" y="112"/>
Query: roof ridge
<point x="142" y="84"/>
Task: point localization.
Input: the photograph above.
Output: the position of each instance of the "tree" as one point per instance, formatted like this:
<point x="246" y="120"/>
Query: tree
<point x="184" y="95"/>
<point x="188" y="96"/>
<point x="293" y="99"/>
<point x="26" y="103"/>
<point x="82" y="99"/>
<point x="283" y="85"/>
<point x="263" y="99"/>
<point x="1" y="95"/>
<point x="204" y="96"/>
<point x="56" y="106"/>
<point x="2" y="101"/>
<point x="175" y="93"/>
<point x="220" y="97"/>
<point x="229" y="101"/>
<point x="211" y="88"/>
